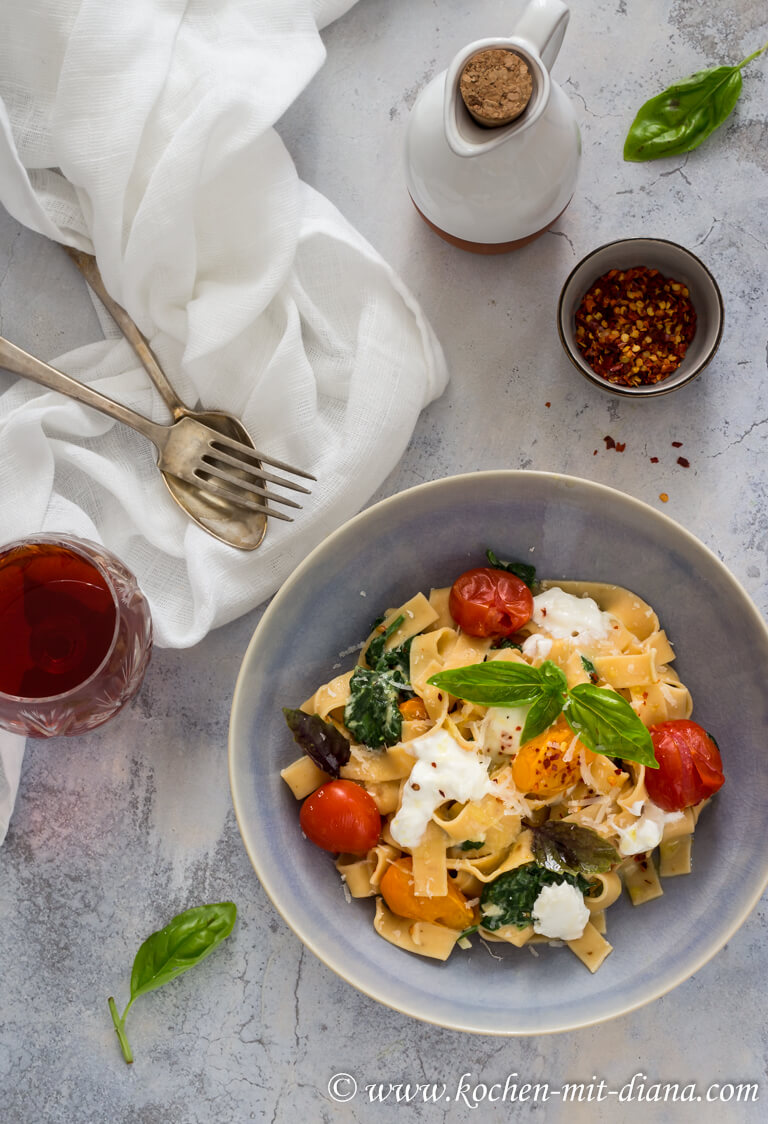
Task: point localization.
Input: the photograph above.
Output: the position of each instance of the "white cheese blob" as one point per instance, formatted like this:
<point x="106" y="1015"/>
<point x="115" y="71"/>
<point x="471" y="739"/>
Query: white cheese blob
<point x="646" y="832"/>
<point x="536" y="648"/>
<point x="559" y="911"/>
<point x="443" y="771"/>
<point x="501" y="729"/>
<point x="562" y="616"/>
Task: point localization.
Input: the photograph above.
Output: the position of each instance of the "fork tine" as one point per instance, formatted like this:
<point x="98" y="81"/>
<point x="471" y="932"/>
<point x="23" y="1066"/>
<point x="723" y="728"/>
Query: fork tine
<point x="225" y="458"/>
<point x="242" y="500"/>
<point x="247" y="453"/>
<point x="206" y="470"/>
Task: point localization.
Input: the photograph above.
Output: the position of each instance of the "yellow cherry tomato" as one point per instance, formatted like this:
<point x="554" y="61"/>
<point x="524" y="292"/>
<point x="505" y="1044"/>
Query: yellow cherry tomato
<point x="539" y="768"/>
<point x="449" y="909"/>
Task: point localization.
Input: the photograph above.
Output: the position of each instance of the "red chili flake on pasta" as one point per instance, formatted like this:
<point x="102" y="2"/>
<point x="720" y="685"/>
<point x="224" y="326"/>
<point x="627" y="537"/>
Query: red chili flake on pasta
<point x="684" y="462"/>
<point x="634" y="326"/>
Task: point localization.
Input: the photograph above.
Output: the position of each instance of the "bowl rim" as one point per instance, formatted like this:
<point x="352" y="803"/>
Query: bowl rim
<point x="655" y="390"/>
<point x="271" y="885"/>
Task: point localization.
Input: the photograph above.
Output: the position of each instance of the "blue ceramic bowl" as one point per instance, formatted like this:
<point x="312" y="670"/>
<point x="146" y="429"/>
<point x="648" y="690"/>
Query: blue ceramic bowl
<point x="569" y="528"/>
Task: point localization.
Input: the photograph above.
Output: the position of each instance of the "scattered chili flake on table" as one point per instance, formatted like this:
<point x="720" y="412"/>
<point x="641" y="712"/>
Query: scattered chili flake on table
<point x="654" y="460"/>
<point x="677" y="444"/>
<point x="663" y="497"/>
<point x="684" y="462"/>
<point x="634" y="326"/>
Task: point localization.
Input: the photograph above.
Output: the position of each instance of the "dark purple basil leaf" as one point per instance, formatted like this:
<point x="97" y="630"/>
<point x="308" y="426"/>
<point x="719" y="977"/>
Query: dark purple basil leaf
<point x="320" y="740"/>
<point x="567" y="848"/>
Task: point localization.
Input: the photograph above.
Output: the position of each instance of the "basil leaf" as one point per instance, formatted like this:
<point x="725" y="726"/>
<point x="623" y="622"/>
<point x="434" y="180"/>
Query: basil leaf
<point x="495" y="683"/>
<point x="607" y="724"/>
<point x="371" y="714"/>
<point x="320" y="740"/>
<point x="471" y="845"/>
<point x="679" y="118"/>
<point x="521" y="570"/>
<point x="542" y="714"/>
<point x="186" y="940"/>
<point x="567" y="848"/>
<point x="590" y="669"/>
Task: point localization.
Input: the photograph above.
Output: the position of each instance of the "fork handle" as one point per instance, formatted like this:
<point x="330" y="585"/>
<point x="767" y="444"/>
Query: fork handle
<point x="13" y="358"/>
<point x="87" y="265"/>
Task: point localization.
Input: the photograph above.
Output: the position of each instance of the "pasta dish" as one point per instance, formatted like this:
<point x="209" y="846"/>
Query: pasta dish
<point x="506" y="758"/>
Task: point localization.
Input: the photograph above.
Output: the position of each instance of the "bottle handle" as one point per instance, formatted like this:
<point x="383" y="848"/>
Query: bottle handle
<point x="542" y="25"/>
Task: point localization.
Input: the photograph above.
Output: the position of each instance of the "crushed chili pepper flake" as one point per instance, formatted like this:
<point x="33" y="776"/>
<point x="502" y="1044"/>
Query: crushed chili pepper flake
<point x="609" y="442"/>
<point x="677" y="444"/>
<point x="684" y="462"/>
<point x="663" y="497"/>
<point x="620" y="446"/>
<point x="547" y="404"/>
<point x="634" y="326"/>
<point x="654" y="460"/>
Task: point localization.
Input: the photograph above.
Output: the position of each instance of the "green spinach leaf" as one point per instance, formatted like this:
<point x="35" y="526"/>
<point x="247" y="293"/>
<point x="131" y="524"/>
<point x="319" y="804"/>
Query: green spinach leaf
<point x="510" y="898"/>
<point x="320" y="740"/>
<point x="186" y="940"/>
<point x="521" y="570"/>
<point x="372" y="715"/>
<point x="679" y="118"/>
<point x="375" y="650"/>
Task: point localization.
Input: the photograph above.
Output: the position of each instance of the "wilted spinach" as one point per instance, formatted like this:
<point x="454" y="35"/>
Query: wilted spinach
<point x="372" y="713"/>
<point x="510" y="898"/>
<point x="521" y="570"/>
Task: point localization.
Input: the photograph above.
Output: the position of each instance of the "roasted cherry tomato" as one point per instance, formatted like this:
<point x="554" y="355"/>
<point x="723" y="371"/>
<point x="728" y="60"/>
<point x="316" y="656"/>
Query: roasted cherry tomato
<point x="341" y="816"/>
<point x="539" y="767"/>
<point x="487" y="602"/>
<point x="451" y="909"/>
<point x="689" y="769"/>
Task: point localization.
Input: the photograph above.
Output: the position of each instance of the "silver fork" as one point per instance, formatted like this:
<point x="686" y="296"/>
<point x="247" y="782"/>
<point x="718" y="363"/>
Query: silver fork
<point x="187" y="449"/>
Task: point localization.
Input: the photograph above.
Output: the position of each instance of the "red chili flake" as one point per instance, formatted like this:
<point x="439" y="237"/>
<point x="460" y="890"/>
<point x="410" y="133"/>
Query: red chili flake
<point x="685" y="463"/>
<point x="547" y="404"/>
<point x="620" y="446"/>
<point x="654" y="460"/>
<point x="634" y="326"/>
<point x="416" y="787"/>
<point x="609" y="442"/>
<point x="595" y="453"/>
<point x="677" y="444"/>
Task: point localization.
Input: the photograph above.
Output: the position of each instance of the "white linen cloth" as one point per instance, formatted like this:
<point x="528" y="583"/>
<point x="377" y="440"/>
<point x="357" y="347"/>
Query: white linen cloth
<point x="143" y="132"/>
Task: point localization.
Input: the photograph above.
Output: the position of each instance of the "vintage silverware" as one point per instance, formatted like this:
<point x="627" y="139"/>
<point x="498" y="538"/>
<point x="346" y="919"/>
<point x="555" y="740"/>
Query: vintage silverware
<point x="188" y="450"/>
<point x="223" y="518"/>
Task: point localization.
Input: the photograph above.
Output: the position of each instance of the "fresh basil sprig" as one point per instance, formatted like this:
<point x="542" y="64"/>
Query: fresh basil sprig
<point x="682" y="116"/>
<point x="498" y="683"/>
<point x="603" y="720"/>
<point x="186" y="940"/>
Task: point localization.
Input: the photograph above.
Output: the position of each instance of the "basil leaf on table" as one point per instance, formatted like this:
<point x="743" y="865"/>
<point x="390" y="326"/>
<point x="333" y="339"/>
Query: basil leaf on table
<point x="567" y="848"/>
<point x="679" y="118"/>
<point x="606" y="723"/>
<point x="320" y="740"/>
<point x="186" y="940"/>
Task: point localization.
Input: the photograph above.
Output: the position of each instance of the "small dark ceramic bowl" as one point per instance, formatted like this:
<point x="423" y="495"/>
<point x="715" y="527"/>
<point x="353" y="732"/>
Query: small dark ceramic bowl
<point x="672" y="261"/>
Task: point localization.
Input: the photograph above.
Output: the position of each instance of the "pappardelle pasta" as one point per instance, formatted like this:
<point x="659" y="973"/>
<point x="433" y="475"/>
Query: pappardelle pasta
<point x="506" y="756"/>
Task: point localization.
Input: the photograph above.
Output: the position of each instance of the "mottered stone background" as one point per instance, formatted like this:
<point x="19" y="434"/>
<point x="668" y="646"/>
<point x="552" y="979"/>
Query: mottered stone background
<point x="116" y="831"/>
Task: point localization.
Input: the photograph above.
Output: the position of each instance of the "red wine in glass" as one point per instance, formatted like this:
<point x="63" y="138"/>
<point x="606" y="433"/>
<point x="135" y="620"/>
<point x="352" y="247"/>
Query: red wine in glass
<point x="75" y="635"/>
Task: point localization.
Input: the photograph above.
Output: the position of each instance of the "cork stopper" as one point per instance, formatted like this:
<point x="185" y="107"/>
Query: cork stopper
<point x="496" y="86"/>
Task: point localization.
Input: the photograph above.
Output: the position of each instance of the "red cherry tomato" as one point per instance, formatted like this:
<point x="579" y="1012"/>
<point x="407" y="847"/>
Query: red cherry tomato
<point x="690" y="768"/>
<point x="487" y="602"/>
<point x="341" y="816"/>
